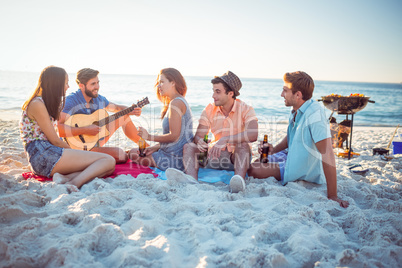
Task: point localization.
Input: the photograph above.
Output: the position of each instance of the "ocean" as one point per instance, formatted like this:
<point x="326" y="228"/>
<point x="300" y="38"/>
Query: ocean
<point x="262" y="94"/>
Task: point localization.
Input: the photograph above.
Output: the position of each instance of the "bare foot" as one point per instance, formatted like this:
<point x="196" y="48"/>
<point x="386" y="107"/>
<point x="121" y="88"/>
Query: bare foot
<point x="71" y="188"/>
<point x="60" y="179"/>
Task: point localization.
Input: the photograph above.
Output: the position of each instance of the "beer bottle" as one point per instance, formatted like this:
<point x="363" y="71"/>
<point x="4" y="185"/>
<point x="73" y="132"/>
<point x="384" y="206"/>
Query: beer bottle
<point x="203" y="156"/>
<point x="265" y="150"/>
<point x="141" y="146"/>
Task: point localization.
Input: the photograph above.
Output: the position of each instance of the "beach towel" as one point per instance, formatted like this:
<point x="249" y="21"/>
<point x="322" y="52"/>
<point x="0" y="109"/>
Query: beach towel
<point x="30" y="175"/>
<point x="133" y="169"/>
<point x="128" y="168"/>
<point x="205" y="175"/>
<point x="214" y="175"/>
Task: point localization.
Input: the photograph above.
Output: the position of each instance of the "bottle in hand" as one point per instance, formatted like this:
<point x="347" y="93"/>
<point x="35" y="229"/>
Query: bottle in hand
<point x="203" y="156"/>
<point x="265" y="150"/>
<point x="141" y="147"/>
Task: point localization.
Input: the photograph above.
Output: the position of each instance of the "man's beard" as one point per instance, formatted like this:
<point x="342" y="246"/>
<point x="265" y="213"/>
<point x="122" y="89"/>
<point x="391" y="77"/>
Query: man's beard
<point x="90" y="94"/>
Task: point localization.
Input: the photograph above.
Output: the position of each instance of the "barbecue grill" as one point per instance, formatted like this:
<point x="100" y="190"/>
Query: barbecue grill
<point x="345" y="105"/>
<point x="348" y="105"/>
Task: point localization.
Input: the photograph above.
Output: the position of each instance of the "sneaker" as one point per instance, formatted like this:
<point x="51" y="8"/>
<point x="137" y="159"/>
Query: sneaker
<point x="237" y="184"/>
<point x="179" y="176"/>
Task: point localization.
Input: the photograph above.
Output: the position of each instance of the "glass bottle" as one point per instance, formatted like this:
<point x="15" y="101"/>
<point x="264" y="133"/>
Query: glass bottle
<point x="265" y="150"/>
<point x="141" y="146"/>
<point x="203" y="156"/>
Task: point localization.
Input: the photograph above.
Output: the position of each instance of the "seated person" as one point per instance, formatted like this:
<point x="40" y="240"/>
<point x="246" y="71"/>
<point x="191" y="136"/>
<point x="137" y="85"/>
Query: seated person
<point x="47" y="154"/>
<point x="310" y="156"/>
<point x="177" y="124"/>
<point x="233" y="124"/>
<point x="86" y="100"/>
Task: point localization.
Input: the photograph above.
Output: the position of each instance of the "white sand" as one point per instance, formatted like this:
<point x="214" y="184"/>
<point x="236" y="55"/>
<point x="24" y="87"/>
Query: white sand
<point x="145" y="222"/>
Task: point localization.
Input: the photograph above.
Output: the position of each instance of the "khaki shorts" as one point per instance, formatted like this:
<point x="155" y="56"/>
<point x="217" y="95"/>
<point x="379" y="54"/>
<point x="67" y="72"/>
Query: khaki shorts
<point x="223" y="162"/>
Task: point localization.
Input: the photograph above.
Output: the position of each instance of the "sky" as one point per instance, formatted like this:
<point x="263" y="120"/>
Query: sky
<point x="342" y="40"/>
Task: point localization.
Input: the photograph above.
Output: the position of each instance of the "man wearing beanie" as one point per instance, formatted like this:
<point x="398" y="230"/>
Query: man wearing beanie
<point x="234" y="126"/>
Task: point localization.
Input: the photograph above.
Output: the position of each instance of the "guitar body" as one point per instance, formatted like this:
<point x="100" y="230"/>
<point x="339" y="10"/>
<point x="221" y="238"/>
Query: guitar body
<point x="83" y="120"/>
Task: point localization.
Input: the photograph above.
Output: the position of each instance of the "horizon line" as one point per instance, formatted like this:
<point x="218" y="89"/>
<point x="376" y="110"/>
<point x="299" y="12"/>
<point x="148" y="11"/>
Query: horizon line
<point x="204" y="76"/>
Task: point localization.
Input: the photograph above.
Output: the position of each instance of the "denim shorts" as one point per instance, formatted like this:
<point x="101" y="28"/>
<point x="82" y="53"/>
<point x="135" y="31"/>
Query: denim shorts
<point x="280" y="158"/>
<point x="165" y="160"/>
<point x="43" y="156"/>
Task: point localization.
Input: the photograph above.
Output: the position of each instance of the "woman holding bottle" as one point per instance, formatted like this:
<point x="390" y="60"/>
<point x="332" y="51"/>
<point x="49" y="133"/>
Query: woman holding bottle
<point x="47" y="154"/>
<point x="177" y="124"/>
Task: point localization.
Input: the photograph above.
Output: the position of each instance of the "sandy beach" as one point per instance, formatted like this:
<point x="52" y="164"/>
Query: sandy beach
<point x="147" y="222"/>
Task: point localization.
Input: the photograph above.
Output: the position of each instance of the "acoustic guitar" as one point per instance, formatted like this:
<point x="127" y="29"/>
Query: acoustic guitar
<point x="99" y="118"/>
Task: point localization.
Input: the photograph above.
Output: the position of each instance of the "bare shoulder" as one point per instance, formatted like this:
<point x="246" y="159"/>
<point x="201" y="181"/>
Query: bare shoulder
<point x="178" y="103"/>
<point x="36" y="104"/>
<point x="36" y="101"/>
<point x="35" y="108"/>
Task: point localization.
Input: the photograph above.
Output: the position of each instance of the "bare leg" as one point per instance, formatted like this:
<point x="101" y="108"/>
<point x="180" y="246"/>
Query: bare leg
<point x="260" y="170"/>
<point x="148" y="160"/>
<point x="128" y="128"/>
<point x="65" y="179"/>
<point x="242" y="159"/>
<point x="190" y="162"/>
<point x="87" y="165"/>
<point x="117" y="153"/>
<point x="61" y="179"/>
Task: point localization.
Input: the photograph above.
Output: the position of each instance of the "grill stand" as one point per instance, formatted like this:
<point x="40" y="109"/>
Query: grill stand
<point x="346" y="105"/>
<point x="349" y="144"/>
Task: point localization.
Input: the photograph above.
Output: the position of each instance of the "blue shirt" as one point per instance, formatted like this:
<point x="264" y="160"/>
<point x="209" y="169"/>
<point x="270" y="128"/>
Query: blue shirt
<point x="304" y="161"/>
<point x="76" y="104"/>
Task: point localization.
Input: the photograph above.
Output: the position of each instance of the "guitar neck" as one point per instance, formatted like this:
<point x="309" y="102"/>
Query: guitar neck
<point x="115" y="116"/>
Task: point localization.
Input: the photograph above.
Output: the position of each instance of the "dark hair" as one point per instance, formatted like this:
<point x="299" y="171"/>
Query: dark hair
<point x="51" y="88"/>
<point x="174" y="75"/>
<point x="86" y="74"/>
<point x="218" y="80"/>
<point x="302" y="82"/>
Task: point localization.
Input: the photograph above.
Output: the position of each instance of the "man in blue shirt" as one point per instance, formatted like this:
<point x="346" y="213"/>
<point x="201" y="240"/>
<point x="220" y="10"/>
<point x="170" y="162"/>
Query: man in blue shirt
<point x="308" y="142"/>
<point x="87" y="101"/>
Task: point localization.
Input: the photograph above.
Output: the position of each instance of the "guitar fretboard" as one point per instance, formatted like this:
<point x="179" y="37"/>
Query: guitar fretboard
<point x="115" y="116"/>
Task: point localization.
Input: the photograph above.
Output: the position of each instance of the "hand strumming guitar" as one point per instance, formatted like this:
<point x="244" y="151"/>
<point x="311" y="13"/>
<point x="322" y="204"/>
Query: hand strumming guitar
<point x="92" y="130"/>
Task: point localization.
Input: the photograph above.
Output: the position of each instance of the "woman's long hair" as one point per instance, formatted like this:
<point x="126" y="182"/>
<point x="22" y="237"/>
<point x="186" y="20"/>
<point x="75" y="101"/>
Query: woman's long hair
<point x="171" y="74"/>
<point x="51" y="88"/>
